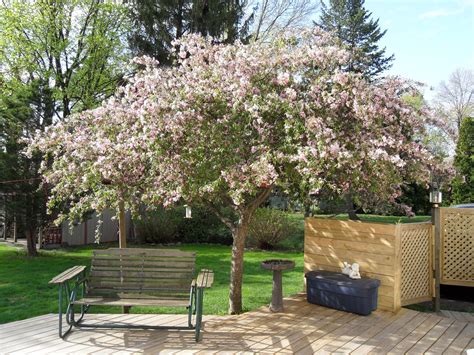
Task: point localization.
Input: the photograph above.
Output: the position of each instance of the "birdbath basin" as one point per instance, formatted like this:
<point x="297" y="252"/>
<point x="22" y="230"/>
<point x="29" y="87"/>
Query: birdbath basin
<point x="277" y="266"/>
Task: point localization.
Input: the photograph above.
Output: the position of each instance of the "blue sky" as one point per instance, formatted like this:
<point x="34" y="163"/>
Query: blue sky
<point x="430" y="38"/>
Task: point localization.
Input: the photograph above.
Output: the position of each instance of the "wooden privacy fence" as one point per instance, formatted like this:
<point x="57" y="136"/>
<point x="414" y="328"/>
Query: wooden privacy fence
<point x="457" y="246"/>
<point x="399" y="255"/>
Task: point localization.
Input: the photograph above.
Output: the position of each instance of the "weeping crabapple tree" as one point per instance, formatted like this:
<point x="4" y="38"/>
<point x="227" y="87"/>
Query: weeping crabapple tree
<point x="228" y="123"/>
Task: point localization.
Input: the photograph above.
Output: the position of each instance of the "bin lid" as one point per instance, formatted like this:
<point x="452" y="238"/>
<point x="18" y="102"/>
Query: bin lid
<point x="341" y="279"/>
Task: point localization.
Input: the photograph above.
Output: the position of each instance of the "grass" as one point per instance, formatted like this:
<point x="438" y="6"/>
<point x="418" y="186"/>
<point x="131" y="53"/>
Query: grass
<point x="25" y="293"/>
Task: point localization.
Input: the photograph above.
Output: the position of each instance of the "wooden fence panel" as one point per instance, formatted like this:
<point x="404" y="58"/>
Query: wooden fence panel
<point x="416" y="262"/>
<point x="328" y="243"/>
<point x="457" y="246"/>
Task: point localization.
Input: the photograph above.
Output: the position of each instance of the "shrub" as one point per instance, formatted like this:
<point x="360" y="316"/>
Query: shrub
<point x="204" y="227"/>
<point x="269" y="227"/>
<point x="169" y="226"/>
<point x="158" y="226"/>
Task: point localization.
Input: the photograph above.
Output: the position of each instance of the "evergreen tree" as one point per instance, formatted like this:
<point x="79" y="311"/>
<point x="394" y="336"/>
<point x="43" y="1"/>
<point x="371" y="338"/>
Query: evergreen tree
<point x="463" y="184"/>
<point x="158" y="22"/>
<point x="24" y="109"/>
<point x="353" y="25"/>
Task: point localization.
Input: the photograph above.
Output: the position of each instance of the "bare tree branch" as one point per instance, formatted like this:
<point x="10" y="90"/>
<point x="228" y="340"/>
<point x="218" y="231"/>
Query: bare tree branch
<point x="455" y="98"/>
<point x="276" y="16"/>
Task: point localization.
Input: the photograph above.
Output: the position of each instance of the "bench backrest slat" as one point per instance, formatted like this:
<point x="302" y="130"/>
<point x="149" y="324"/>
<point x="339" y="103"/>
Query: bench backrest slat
<point x="141" y="273"/>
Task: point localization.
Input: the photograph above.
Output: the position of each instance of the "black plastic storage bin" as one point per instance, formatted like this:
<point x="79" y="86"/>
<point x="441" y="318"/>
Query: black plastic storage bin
<point x="339" y="291"/>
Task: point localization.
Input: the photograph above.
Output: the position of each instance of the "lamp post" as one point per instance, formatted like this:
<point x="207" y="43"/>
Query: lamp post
<point x="435" y="200"/>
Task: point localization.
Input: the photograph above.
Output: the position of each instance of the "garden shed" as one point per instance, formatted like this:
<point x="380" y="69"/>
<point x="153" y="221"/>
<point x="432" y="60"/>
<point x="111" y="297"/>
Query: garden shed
<point x="401" y="256"/>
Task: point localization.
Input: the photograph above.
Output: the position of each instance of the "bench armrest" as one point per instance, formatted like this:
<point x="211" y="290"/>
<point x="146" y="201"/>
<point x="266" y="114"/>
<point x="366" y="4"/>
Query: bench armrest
<point x="205" y="279"/>
<point x="68" y="274"/>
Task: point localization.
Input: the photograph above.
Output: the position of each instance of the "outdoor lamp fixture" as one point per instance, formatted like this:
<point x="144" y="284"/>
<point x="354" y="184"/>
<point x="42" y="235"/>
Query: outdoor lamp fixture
<point x="188" y="211"/>
<point x="436" y="197"/>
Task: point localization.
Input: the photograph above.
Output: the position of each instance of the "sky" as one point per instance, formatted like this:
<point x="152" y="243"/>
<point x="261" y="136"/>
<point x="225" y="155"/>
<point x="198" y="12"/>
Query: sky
<point x="430" y="38"/>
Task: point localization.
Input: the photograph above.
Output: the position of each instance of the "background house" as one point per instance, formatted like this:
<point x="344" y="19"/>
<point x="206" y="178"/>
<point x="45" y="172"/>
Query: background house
<point x="84" y="233"/>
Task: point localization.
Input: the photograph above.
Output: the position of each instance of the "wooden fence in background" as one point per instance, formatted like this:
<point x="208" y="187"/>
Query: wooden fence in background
<point x="399" y="255"/>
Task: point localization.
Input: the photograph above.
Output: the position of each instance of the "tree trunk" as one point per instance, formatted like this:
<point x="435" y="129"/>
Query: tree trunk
<point x="66" y="109"/>
<point x="31" y="242"/>
<point x="239" y="235"/>
<point x="307" y="204"/>
<point x="122" y="230"/>
<point x="351" y="208"/>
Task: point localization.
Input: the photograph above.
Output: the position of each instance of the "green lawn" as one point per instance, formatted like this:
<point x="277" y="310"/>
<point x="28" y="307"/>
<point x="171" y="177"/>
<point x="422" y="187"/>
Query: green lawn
<point x="24" y="289"/>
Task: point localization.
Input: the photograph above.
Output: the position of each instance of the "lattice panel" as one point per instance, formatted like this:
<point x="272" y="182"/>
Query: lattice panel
<point x="457" y="246"/>
<point x="416" y="263"/>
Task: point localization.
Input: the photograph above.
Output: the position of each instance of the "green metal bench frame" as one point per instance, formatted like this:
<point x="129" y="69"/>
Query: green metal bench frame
<point x="77" y="281"/>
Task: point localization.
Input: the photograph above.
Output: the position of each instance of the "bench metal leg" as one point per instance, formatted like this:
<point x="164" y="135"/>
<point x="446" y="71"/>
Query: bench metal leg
<point x="64" y="289"/>
<point x="191" y="307"/>
<point x="200" y="294"/>
<point x="60" y="314"/>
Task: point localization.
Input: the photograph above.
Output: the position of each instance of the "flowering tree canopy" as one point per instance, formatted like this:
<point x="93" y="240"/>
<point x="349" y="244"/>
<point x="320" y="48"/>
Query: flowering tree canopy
<point x="228" y="123"/>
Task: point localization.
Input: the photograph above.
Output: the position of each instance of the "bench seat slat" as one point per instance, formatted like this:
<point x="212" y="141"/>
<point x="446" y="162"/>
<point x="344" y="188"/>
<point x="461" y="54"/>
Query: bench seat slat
<point x="110" y="293"/>
<point x="143" y="271"/>
<point x="139" y="287"/>
<point x="133" y="302"/>
<point x="135" y="252"/>
<point x="135" y="294"/>
<point x="177" y="264"/>
<point x="184" y="284"/>
<point x="140" y="258"/>
<point x="118" y="274"/>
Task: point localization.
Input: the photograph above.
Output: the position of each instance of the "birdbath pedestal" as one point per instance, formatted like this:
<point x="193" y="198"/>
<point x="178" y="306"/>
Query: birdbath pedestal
<point x="277" y="266"/>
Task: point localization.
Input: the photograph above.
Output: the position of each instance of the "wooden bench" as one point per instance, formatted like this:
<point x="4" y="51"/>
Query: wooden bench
<point x="134" y="277"/>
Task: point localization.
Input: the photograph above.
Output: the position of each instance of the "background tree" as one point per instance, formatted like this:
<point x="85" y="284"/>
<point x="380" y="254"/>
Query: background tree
<point x="23" y="110"/>
<point x="272" y="17"/>
<point x="231" y="122"/>
<point x="352" y="24"/>
<point x="76" y="47"/>
<point x="463" y="183"/>
<point x="56" y="57"/>
<point x="157" y="23"/>
<point x="455" y="99"/>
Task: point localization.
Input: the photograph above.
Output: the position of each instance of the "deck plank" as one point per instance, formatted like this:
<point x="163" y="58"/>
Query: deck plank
<point x="447" y="338"/>
<point x="302" y="328"/>
<point x="430" y="337"/>
<point x="45" y="338"/>
<point x="400" y="334"/>
<point x="382" y="334"/>
<point x="462" y="340"/>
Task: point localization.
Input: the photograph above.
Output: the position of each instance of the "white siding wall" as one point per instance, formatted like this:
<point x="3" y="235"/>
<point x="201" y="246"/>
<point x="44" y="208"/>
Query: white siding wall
<point x="109" y="229"/>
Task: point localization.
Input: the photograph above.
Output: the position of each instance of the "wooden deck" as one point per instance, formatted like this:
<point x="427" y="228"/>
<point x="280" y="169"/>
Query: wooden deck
<point x="303" y="328"/>
<point x="462" y="316"/>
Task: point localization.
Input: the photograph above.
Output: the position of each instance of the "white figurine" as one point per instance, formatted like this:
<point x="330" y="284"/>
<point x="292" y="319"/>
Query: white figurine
<point x="346" y="270"/>
<point x="354" y="274"/>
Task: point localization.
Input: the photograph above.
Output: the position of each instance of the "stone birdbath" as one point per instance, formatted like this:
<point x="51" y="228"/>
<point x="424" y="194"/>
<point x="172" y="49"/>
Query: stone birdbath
<point x="277" y="266"/>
